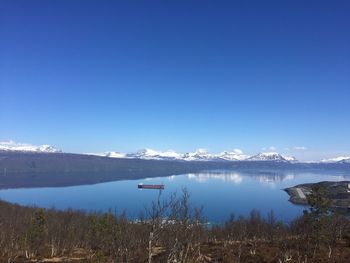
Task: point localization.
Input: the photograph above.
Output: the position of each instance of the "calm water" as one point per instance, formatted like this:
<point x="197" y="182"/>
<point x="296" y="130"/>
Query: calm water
<point x="221" y="193"/>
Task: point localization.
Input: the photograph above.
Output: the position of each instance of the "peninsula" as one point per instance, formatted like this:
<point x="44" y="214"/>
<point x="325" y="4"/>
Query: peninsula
<point x="337" y="192"/>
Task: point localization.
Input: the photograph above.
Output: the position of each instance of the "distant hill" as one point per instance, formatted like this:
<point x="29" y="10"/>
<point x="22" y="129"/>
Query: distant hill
<point x="26" y="147"/>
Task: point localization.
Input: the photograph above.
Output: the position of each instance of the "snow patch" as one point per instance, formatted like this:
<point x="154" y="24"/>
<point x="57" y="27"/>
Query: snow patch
<point x="339" y="159"/>
<point x="25" y="147"/>
<point x="271" y="156"/>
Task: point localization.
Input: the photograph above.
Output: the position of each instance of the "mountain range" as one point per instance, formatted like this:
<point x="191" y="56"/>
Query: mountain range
<point x="150" y="154"/>
<point x="199" y="155"/>
<point x="341" y="159"/>
<point x="25" y="147"/>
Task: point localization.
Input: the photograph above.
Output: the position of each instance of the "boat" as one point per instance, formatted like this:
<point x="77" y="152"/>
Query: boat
<point x="151" y="186"/>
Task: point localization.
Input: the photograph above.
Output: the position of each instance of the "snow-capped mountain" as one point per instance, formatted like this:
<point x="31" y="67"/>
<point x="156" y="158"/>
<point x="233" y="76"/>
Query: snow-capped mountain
<point x="24" y="147"/>
<point x="235" y="155"/>
<point x="199" y="155"/>
<point x="271" y="156"/>
<point x="291" y="159"/>
<point x="115" y="155"/>
<point x="341" y="159"/>
<point x="150" y="154"/>
<point x="155" y="155"/>
<point x="109" y="154"/>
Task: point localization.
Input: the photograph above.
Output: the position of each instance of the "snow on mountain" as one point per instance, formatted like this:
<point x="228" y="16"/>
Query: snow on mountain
<point x="47" y="148"/>
<point x="109" y="154"/>
<point x="271" y="156"/>
<point x="235" y="155"/>
<point x="115" y="155"/>
<point x="199" y="155"/>
<point x="290" y="158"/>
<point x="24" y="147"/>
<point x="149" y="154"/>
<point x="340" y="159"/>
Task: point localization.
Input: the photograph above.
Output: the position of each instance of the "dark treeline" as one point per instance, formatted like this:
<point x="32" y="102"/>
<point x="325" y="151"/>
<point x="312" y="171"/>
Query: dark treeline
<point x="172" y="230"/>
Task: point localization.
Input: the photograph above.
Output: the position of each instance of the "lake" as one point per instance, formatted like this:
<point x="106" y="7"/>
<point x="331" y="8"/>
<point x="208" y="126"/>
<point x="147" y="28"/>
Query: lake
<point x="221" y="193"/>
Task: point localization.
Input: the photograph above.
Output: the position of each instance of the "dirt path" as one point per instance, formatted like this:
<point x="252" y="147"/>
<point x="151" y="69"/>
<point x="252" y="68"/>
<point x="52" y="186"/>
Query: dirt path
<point x="300" y="193"/>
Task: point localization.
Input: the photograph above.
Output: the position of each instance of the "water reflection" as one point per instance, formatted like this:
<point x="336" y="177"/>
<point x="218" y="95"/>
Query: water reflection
<point x="272" y="179"/>
<point x="237" y="178"/>
<point x="219" y="192"/>
<point x="225" y="177"/>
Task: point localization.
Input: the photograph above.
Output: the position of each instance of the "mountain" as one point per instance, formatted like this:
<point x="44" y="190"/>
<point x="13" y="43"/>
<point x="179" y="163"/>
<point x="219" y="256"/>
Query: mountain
<point x="23" y="147"/>
<point x="340" y="159"/>
<point x="345" y="161"/>
<point x="271" y="156"/>
<point x="290" y="158"/>
<point x="115" y="155"/>
<point x="235" y="155"/>
<point x="149" y="154"/>
<point x="109" y="154"/>
<point x="199" y="155"/>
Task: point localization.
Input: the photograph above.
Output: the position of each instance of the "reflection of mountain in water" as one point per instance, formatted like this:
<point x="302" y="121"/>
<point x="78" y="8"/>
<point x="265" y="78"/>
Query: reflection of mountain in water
<point x="274" y="177"/>
<point x="263" y="177"/>
<point x="270" y="179"/>
<point x="235" y="177"/>
<point x="226" y="177"/>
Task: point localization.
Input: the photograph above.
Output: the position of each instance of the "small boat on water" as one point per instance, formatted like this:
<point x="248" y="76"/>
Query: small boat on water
<point x="151" y="186"/>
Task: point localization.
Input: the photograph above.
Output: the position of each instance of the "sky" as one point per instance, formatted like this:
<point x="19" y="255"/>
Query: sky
<point x="92" y="76"/>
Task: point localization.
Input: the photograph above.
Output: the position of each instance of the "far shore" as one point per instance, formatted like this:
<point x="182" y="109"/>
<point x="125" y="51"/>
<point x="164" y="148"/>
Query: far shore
<point x="27" y="170"/>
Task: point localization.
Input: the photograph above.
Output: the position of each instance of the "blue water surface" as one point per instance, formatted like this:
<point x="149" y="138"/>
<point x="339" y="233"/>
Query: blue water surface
<point x="221" y="193"/>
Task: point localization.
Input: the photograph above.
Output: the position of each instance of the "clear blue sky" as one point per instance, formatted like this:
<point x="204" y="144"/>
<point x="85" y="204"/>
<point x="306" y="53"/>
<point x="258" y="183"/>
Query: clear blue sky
<point x="90" y="76"/>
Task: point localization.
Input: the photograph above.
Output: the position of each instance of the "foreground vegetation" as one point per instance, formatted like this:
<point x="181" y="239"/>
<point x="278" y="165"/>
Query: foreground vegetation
<point x="172" y="231"/>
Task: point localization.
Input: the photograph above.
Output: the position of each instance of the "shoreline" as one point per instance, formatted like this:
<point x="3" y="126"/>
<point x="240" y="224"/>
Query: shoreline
<point x="337" y="192"/>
